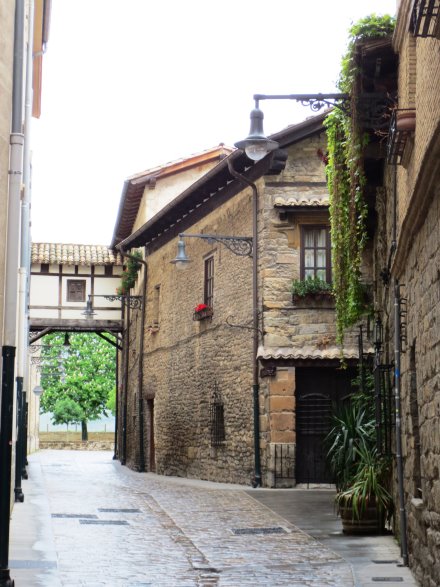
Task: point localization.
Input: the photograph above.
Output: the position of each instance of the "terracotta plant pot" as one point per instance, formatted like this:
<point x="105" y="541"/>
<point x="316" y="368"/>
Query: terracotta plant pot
<point x="406" y="120"/>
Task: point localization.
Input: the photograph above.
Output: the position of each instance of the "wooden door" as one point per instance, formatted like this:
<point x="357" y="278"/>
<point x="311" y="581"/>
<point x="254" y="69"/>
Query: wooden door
<point x="317" y="391"/>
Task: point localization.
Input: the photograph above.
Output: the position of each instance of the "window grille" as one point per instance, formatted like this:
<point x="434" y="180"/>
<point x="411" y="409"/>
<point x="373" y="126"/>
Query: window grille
<point x="217" y="416"/>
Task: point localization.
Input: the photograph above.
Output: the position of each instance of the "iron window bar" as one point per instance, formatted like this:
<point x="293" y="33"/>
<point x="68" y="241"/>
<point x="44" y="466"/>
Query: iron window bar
<point x="399" y="133"/>
<point x="217" y="418"/>
<point x="425" y="20"/>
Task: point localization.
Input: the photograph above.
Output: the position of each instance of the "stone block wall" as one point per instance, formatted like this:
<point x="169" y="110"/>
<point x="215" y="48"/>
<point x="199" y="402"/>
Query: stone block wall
<point x="185" y="359"/>
<point x="416" y="266"/>
<point x="278" y="429"/>
<point x="421" y="398"/>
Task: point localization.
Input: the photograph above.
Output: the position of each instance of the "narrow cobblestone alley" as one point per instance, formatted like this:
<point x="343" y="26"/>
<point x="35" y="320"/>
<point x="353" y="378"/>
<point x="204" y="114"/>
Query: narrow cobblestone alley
<point x="88" y="521"/>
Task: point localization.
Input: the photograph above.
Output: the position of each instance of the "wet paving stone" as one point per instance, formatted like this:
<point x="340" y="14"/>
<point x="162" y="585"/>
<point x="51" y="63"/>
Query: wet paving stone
<point x="143" y="530"/>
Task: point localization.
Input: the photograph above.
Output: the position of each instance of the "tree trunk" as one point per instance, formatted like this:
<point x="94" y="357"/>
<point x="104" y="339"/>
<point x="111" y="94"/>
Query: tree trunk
<point x="84" y="433"/>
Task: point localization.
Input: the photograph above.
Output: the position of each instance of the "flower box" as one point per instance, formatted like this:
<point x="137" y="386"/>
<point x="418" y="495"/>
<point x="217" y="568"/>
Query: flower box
<point x="202" y="311"/>
<point x="310" y="298"/>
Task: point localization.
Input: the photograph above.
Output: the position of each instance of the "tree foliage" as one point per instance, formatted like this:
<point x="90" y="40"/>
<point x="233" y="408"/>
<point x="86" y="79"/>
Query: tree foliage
<point x="83" y="372"/>
<point x="67" y="411"/>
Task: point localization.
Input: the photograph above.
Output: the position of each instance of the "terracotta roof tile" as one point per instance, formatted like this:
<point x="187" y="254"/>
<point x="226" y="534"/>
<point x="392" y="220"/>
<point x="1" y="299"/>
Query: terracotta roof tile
<point x="72" y="254"/>
<point x="302" y="201"/>
<point x="308" y="352"/>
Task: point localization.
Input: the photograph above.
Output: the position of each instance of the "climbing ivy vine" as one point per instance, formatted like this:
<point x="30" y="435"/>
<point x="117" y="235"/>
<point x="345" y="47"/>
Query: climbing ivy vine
<point x="346" y="181"/>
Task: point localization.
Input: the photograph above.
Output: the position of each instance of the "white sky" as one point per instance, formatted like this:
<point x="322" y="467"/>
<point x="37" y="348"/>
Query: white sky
<point x="131" y="84"/>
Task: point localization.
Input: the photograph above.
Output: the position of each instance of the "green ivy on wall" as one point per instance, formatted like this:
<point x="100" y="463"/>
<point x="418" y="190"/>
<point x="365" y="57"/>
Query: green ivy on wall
<point x="129" y="275"/>
<point x="346" y="181"/>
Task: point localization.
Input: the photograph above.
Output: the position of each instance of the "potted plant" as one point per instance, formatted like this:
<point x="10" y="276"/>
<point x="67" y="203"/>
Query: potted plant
<point x="361" y="474"/>
<point x="366" y="505"/>
<point x="311" y="288"/>
<point x="202" y="311"/>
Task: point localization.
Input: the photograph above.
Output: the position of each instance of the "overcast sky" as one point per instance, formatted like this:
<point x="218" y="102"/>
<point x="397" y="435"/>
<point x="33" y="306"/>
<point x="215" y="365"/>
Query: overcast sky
<point x="128" y="85"/>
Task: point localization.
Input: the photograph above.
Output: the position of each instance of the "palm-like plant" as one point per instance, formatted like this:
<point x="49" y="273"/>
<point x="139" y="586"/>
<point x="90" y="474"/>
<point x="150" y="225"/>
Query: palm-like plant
<point x="369" y="485"/>
<point x="352" y="428"/>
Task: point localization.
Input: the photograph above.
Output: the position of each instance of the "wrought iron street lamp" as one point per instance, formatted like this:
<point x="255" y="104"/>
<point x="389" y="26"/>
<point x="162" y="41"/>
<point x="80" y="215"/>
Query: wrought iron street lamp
<point x="134" y="302"/>
<point x="256" y="145"/>
<point x="239" y="245"/>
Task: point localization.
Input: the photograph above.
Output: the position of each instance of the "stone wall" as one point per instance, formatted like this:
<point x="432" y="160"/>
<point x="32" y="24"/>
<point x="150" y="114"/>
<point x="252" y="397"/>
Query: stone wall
<point x="71" y="445"/>
<point x="416" y="267"/>
<point x="421" y="386"/>
<point x="184" y="359"/>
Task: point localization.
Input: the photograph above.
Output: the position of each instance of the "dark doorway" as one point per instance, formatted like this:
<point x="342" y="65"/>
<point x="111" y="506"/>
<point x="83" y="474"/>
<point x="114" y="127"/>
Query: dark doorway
<point x="317" y="390"/>
<point x="152" y="455"/>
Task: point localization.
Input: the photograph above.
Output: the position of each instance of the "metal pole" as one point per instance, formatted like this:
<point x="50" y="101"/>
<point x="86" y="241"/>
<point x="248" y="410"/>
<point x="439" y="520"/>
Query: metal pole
<point x="399" y="459"/>
<point x="255" y="325"/>
<point x="7" y="404"/>
<point x="115" y="452"/>
<point x="125" y="389"/>
<point x="141" y="372"/>
<point x="18" y="492"/>
<point x="10" y="291"/>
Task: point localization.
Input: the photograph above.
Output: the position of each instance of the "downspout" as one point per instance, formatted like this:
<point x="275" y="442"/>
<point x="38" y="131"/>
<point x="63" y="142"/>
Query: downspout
<point x="397" y="384"/>
<point x="115" y="450"/>
<point x="255" y="326"/>
<point x="10" y="291"/>
<point x="125" y="385"/>
<point x="397" y="390"/>
<point x="141" y="362"/>
<point x="23" y="329"/>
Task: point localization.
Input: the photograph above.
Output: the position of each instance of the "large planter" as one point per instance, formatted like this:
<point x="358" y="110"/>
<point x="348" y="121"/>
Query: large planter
<point x="371" y="521"/>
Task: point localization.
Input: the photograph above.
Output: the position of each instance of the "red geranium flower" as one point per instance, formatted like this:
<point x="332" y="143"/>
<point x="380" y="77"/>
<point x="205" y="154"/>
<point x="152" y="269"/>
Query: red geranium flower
<point x="200" y="307"/>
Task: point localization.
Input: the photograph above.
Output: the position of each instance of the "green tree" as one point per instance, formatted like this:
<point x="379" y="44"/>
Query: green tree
<point x="83" y="372"/>
<point x="67" y="411"/>
<point x="111" y="402"/>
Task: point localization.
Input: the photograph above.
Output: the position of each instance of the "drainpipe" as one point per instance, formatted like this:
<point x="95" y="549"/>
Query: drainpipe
<point x="255" y="327"/>
<point x="126" y="344"/>
<point x="397" y="390"/>
<point x="141" y="362"/>
<point x="10" y="292"/>
<point x="115" y="451"/>
<point x="23" y="331"/>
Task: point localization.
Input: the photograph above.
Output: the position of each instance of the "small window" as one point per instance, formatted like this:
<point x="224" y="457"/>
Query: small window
<point x="76" y="290"/>
<point x="209" y="282"/>
<point x="315" y="253"/>
<point x="156" y="305"/>
<point x="44" y="267"/>
<point x="217" y="418"/>
<point x="108" y="270"/>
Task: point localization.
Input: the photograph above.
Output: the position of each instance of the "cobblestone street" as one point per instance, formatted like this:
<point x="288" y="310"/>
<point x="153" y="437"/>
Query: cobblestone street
<point x="95" y="522"/>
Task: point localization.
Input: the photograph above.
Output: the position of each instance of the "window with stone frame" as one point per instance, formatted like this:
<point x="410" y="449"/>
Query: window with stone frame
<point x="208" y="296"/>
<point x="315" y="252"/>
<point x="76" y="290"/>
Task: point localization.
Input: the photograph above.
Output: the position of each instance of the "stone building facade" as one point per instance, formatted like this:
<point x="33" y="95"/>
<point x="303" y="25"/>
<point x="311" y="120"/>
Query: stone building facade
<point x="186" y="401"/>
<point x="407" y="276"/>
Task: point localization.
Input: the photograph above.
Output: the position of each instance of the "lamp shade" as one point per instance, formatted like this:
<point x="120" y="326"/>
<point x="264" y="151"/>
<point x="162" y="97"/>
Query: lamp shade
<point x="181" y="259"/>
<point x="89" y="312"/>
<point x="38" y="390"/>
<point x="257" y="145"/>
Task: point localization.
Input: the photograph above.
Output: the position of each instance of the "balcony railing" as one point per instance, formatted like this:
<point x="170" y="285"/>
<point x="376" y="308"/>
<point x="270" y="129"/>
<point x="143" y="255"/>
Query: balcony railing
<point x="402" y="126"/>
<point x="425" y="19"/>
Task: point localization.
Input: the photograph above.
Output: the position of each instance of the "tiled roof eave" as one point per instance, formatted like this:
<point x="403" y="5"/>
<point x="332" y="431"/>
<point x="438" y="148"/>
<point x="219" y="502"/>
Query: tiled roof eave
<point x="73" y="254"/>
